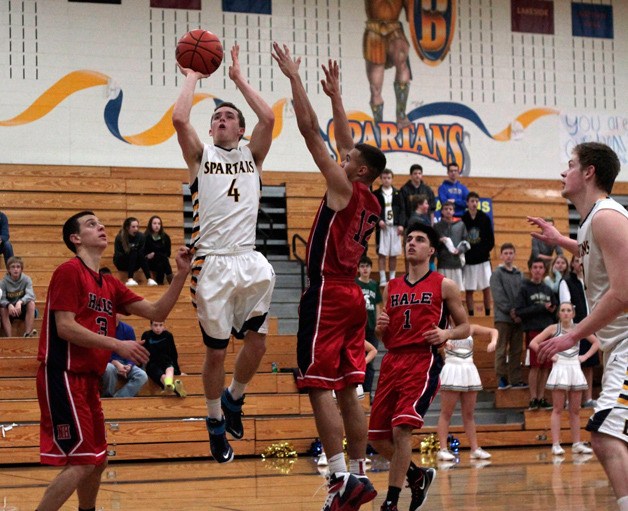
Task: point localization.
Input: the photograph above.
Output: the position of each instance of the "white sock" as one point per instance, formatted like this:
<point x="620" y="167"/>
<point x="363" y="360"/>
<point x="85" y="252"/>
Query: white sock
<point x="392" y="275"/>
<point x="337" y="463"/>
<point x="382" y="276"/>
<point x="623" y="503"/>
<point x="214" y="410"/>
<point x="236" y="389"/>
<point x="356" y="467"/>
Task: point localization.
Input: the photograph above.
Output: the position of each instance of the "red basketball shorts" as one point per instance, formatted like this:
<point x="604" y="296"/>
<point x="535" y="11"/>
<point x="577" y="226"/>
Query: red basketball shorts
<point x="72" y="428"/>
<point x="408" y="382"/>
<point x="330" y="341"/>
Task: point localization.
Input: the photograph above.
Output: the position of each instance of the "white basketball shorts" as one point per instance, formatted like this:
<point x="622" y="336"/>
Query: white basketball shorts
<point x="611" y="412"/>
<point x="232" y="291"/>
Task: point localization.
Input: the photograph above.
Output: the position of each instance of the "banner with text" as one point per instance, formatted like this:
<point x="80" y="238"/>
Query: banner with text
<point x="532" y="16"/>
<point x="611" y="130"/>
<point x="592" y="20"/>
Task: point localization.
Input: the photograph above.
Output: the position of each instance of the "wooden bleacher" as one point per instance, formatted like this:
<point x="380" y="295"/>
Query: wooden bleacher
<point x="38" y="199"/>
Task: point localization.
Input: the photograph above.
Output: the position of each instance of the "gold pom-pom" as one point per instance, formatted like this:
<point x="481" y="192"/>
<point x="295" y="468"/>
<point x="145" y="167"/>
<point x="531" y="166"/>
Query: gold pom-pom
<point x="279" y="450"/>
<point x="344" y="444"/>
<point x="430" y="444"/>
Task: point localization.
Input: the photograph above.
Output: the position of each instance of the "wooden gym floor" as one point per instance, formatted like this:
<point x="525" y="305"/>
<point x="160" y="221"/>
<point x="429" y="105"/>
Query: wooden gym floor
<point x="524" y="479"/>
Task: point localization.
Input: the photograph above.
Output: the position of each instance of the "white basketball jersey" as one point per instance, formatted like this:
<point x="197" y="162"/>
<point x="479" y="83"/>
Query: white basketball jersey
<point x="225" y="198"/>
<point x="596" y="277"/>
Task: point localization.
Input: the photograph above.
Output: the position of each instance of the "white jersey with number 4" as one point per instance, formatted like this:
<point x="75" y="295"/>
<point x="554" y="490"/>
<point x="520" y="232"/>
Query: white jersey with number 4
<point x="596" y="277"/>
<point x="225" y="198"/>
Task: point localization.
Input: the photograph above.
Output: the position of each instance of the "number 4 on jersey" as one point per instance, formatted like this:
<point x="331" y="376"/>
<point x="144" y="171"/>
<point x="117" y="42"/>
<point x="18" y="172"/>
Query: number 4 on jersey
<point x="233" y="191"/>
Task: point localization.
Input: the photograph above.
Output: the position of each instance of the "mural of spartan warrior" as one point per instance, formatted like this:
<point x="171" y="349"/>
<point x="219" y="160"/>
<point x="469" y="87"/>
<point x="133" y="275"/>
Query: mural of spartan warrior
<point x="384" y="46"/>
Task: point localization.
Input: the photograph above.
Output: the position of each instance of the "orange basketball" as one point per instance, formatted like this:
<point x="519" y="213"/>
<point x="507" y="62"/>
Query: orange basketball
<point x="200" y="51"/>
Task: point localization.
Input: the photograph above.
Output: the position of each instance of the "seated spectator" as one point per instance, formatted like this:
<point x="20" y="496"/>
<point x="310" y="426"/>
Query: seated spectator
<point x="420" y="210"/>
<point x="5" y="245"/>
<point x="135" y="376"/>
<point x="128" y="252"/>
<point x="18" y="298"/>
<point x="157" y="250"/>
<point x="543" y="251"/>
<point x="163" y="363"/>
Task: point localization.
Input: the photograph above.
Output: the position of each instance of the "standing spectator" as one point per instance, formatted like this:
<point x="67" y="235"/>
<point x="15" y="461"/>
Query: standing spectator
<point x="571" y="290"/>
<point x="559" y="268"/>
<point x="506" y="283"/>
<point x="119" y="367"/>
<point x="5" y="245"/>
<point x="412" y="330"/>
<point x="477" y="269"/>
<point x="17" y="298"/>
<point x="453" y="244"/>
<point x="451" y="189"/>
<point x="536" y="305"/>
<point x="163" y="364"/>
<point x="75" y="344"/>
<point x="545" y="251"/>
<point x="389" y="227"/>
<point x="373" y="301"/>
<point x="157" y="249"/>
<point x="128" y="252"/>
<point x="414" y="187"/>
<point x="330" y="339"/>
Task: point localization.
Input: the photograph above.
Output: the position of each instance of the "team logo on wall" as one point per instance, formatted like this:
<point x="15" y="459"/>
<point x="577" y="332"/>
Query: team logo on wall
<point x="432" y="24"/>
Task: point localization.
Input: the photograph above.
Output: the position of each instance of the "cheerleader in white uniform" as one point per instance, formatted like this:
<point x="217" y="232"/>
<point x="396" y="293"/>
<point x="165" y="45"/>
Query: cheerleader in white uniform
<point x="460" y="379"/>
<point x="566" y="377"/>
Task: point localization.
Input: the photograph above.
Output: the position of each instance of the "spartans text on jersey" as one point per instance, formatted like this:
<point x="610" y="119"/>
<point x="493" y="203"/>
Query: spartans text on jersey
<point x="219" y="167"/>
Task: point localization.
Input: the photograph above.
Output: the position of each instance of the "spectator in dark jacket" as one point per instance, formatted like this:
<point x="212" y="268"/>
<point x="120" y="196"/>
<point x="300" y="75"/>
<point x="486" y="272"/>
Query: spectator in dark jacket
<point x="390" y="226"/>
<point x="414" y="187"/>
<point x="157" y="247"/>
<point x="128" y="252"/>
<point x="476" y="272"/>
<point x="536" y="306"/>
<point x="5" y="245"/>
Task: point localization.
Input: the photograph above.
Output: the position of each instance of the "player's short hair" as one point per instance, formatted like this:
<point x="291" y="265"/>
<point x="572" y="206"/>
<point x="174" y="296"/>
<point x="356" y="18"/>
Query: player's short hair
<point x="432" y="235"/>
<point x="605" y="161"/>
<point x="453" y="164"/>
<point x="365" y="260"/>
<point x="449" y="203"/>
<point x="507" y="246"/>
<point x="473" y="195"/>
<point x="15" y="260"/>
<point x="228" y="104"/>
<point x="72" y="226"/>
<point x="373" y="158"/>
<point x="414" y="167"/>
<point x="387" y="172"/>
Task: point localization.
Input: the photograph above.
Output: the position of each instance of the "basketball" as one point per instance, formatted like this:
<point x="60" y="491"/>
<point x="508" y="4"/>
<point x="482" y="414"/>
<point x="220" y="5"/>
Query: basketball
<point x="200" y="51"/>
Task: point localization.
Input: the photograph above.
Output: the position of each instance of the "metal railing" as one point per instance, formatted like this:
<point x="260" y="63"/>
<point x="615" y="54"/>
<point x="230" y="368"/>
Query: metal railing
<point x="295" y="238"/>
<point x="263" y="233"/>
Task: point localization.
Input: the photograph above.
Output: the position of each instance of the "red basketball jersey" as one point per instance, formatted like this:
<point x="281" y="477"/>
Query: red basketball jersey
<point x="413" y="310"/>
<point x="339" y="238"/>
<point x="95" y="299"/>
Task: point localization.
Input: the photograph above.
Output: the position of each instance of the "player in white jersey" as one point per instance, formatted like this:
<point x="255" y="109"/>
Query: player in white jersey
<point x="232" y="284"/>
<point x="602" y="244"/>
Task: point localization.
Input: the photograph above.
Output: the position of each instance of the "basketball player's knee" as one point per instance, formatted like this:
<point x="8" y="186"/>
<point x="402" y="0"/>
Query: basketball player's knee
<point x="215" y="356"/>
<point x="256" y="342"/>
